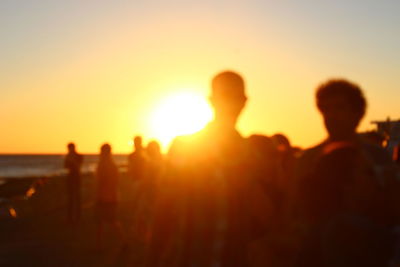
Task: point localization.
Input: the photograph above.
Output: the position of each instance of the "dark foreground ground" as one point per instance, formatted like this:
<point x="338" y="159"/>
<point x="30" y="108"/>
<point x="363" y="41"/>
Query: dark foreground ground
<point x="41" y="236"/>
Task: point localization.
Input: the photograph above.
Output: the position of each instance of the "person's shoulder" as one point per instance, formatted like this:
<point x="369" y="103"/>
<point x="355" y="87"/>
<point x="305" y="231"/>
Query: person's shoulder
<point x="261" y="144"/>
<point x="132" y="155"/>
<point x="186" y="147"/>
<point x="136" y="155"/>
<point x="312" y="152"/>
<point x="377" y="153"/>
<point x="76" y="156"/>
<point x="307" y="160"/>
<point x="259" y="140"/>
<point x="182" y="143"/>
<point x="189" y="141"/>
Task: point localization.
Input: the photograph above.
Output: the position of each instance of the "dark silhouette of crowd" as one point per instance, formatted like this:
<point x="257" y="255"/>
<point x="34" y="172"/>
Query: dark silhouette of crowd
<point x="221" y="199"/>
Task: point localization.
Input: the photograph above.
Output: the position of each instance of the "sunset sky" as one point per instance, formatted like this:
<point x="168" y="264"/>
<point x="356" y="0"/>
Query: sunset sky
<point x="98" y="71"/>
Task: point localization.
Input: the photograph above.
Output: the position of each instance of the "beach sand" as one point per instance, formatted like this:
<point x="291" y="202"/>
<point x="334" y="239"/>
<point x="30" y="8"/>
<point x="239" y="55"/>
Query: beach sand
<point x="40" y="236"/>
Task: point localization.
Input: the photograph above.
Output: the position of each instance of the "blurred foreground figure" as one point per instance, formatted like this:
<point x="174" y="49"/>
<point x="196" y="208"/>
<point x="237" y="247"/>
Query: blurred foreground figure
<point x="346" y="193"/>
<point x="209" y="206"/>
<point x="73" y="162"/>
<point x="107" y="195"/>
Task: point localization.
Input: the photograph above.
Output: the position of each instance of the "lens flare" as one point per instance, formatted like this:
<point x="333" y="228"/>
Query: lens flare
<point x="180" y="114"/>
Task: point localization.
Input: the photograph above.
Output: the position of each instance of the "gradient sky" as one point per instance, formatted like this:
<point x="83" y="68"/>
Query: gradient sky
<point x="92" y="71"/>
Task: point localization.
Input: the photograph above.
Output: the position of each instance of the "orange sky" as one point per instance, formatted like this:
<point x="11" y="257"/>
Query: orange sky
<point x="94" y="77"/>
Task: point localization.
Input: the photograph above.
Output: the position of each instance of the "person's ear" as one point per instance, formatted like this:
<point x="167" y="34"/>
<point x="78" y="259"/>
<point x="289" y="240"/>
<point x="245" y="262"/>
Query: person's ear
<point x="244" y="101"/>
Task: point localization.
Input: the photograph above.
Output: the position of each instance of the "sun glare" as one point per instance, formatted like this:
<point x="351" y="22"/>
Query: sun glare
<point x="180" y="114"/>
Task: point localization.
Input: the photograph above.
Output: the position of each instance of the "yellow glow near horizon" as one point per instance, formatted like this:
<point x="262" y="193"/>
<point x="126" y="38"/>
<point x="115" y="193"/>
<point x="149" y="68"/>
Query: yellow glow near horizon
<point x="100" y="82"/>
<point x="179" y="114"/>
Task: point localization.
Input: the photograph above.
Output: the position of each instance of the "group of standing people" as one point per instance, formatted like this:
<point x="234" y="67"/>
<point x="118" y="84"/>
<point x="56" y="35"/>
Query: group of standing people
<point x="144" y="167"/>
<point x="221" y="199"/>
<point x="227" y="200"/>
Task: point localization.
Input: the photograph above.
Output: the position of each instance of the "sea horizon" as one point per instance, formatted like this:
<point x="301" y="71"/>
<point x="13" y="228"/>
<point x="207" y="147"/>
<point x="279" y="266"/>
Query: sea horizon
<point x="47" y="165"/>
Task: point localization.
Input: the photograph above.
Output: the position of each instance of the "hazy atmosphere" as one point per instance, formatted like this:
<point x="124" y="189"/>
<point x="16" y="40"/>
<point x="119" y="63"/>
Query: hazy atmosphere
<point x="98" y="71"/>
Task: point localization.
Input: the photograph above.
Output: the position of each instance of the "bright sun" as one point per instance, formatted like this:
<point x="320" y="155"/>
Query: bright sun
<point x="179" y="114"/>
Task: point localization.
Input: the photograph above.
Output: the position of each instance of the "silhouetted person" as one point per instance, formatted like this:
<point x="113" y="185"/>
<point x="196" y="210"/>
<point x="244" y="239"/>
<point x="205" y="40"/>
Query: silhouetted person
<point x="266" y="154"/>
<point x="285" y="154"/>
<point x="147" y="190"/>
<point x="269" y="249"/>
<point x="107" y="194"/>
<point x="203" y="215"/>
<point x="344" y="187"/>
<point x="137" y="160"/>
<point x="73" y="162"/>
<point x="286" y="163"/>
<point x="266" y="159"/>
<point x="155" y="163"/>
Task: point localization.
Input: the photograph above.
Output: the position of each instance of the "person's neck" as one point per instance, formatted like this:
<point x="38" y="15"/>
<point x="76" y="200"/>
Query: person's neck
<point x="224" y="124"/>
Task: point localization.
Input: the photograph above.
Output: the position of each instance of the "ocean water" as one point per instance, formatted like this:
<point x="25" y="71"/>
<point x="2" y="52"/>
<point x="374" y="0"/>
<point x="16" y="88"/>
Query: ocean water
<point x="46" y="165"/>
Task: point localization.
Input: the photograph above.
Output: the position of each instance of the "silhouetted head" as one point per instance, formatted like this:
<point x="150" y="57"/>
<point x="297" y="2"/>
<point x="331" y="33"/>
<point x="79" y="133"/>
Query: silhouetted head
<point x="281" y="142"/>
<point x="138" y="142"/>
<point x="71" y="147"/>
<point x="228" y="96"/>
<point x="342" y="104"/>
<point x="262" y="144"/>
<point x="153" y="149"/>
<point x="105" y="150"/>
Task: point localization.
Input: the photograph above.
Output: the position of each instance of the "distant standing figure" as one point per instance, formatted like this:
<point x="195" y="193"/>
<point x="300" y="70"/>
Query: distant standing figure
<point x="107" y="194"/>
<point x="155" y="161"/>
<point x="147" y="191"/>
<point x="137" y="160"/>
<point x="73" y="162"/>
